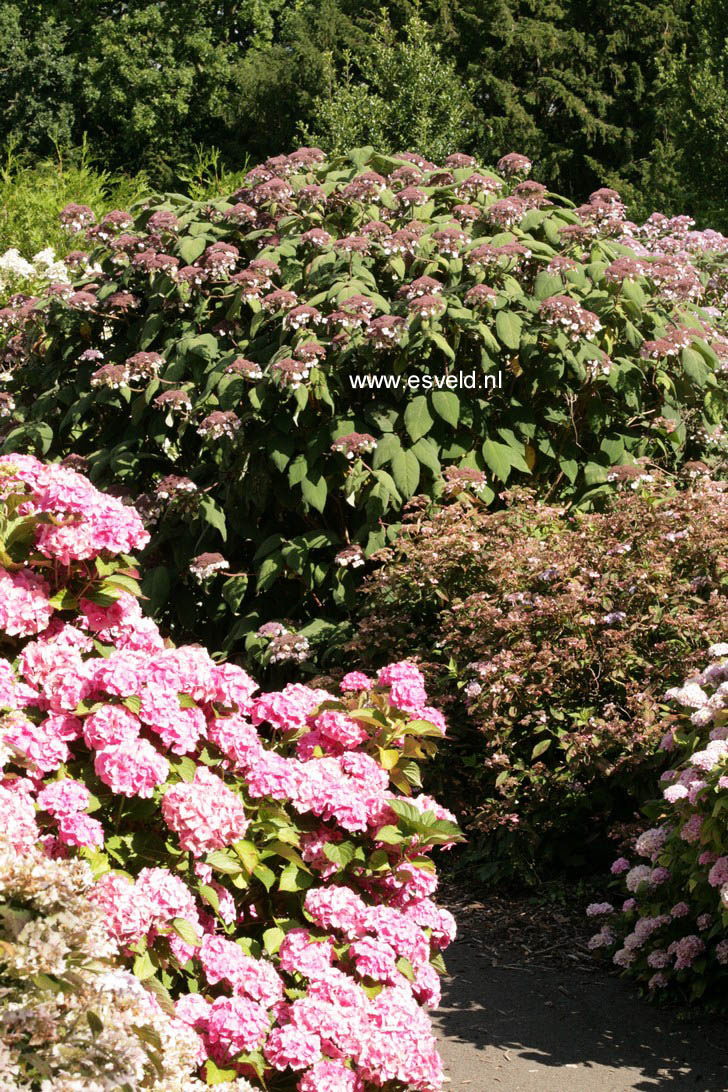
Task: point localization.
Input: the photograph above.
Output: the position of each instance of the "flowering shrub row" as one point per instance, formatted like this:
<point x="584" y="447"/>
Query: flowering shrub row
<point x="550" y="636"/>
<point x="671" y="932"/>
<point x="260" y="859"/>
<point x="210" y="362"/>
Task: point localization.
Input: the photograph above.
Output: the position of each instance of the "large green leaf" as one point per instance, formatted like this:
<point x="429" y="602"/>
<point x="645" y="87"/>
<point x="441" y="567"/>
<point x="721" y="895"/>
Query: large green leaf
<point x="446" y="405"/>
<point x="214" y="516"/>
<point x="387" y="447"/>
<point x="406" y="473"/>
<point x="315" y="491"/>
<point x="499" y="458"/>
<point x="508" y="327"/>
<point x="417" y="418"/>
<point x="191" y="248"/>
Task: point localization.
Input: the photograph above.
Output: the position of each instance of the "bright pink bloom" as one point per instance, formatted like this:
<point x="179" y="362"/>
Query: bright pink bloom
<point x="301" y="952"/>
<point x="24" y="603"/>
<point x="236" y="1025"/>
<point x="109" y="726"/>
<point x="290" y="1048"/>
<point x="328" y="1076"/>
<point x="131" y="769"/>
<point x="205" y="814"/>
<point x="64" y="797"/>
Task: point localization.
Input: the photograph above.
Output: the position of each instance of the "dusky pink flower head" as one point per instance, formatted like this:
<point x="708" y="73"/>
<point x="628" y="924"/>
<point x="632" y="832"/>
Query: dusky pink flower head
<point x="76" y="217"/>
<point x="513" y="163"/>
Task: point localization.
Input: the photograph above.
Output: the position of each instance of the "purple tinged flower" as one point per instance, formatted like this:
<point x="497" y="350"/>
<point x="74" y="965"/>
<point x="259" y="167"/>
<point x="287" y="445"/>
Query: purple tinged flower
<point x="206" y="565"/>
<point x="513" y="163"/>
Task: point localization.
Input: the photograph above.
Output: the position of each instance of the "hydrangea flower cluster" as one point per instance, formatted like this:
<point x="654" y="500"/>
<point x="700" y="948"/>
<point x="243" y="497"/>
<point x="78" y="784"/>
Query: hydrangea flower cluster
<point x="71" y="1014"/>
<point x="671" y="933"/>
<point x="43" y="272"/>
<point x="260" y="861"/>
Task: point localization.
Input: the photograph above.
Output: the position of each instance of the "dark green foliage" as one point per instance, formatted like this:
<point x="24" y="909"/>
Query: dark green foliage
<point x="406" y="96"/>
<point x="618" y="92"/>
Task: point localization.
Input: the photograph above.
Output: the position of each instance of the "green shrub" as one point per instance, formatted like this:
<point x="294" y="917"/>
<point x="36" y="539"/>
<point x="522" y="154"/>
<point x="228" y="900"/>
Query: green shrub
<point x="32" y="195"/>
<point x="404" y="96"/>
<point x="261" y="320"/>
<point x="551" y="636"/>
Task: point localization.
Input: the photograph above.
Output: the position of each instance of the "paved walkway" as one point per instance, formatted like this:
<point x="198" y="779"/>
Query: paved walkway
<point x="524" y="1029"/>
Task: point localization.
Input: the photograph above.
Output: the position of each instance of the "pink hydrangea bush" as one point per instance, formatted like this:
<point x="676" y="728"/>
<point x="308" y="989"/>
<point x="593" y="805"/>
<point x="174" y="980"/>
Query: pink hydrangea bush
<point x="261" y="859"/>
<point x="669" y="927"/>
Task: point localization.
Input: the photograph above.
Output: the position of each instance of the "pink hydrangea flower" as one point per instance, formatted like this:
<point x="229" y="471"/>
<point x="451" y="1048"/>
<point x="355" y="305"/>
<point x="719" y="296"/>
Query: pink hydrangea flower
<point x="337" y="908"/>
<point x="179" y="729"/>
<point x="686" y="950"/>
<point x="193" y="1009"/>
<point x="92" y="522"/>
<point x="25" y="608"/>
<point x="330" y="1076"/>
<point x="131" y="768"/>
<point x="128" y="914"/>
<point x="225" y="961"/>
<point x="290" y="1048"/>
<point x="64" y="797"/>
<point x="205" y="814"/>
<point x="18" y="812"/>
<point x="79" y="829"/>
<point x="302" y="953"/>
<point x="718" y="875"/>
<point x="356" y="680"/>
<point x="337" y="728"/>
<point x="376" y="959"/>
<point x="406" y="686"/>
<point x="42" y="744"/>
<point x="288" y="708"/>
<point x="237" y="1025"/>
<point x="109" y="726"/>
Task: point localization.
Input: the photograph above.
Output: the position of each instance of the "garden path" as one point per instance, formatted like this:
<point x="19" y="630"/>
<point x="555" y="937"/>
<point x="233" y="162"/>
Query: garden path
<point x="509" y="1025"/>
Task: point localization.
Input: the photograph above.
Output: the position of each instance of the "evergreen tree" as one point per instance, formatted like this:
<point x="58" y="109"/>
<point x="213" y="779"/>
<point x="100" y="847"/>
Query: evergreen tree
<point x="618" y="92"/>
<point x="406" y="97"/>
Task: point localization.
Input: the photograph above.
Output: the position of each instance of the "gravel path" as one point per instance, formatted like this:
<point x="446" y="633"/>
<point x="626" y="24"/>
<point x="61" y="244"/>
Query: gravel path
<point x="514" y="1027"/>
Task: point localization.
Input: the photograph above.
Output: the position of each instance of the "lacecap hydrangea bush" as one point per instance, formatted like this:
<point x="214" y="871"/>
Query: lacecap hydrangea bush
<point x="260" y="860"/>
<point x="671" y="930"/>
<point x="279" y="372"/>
